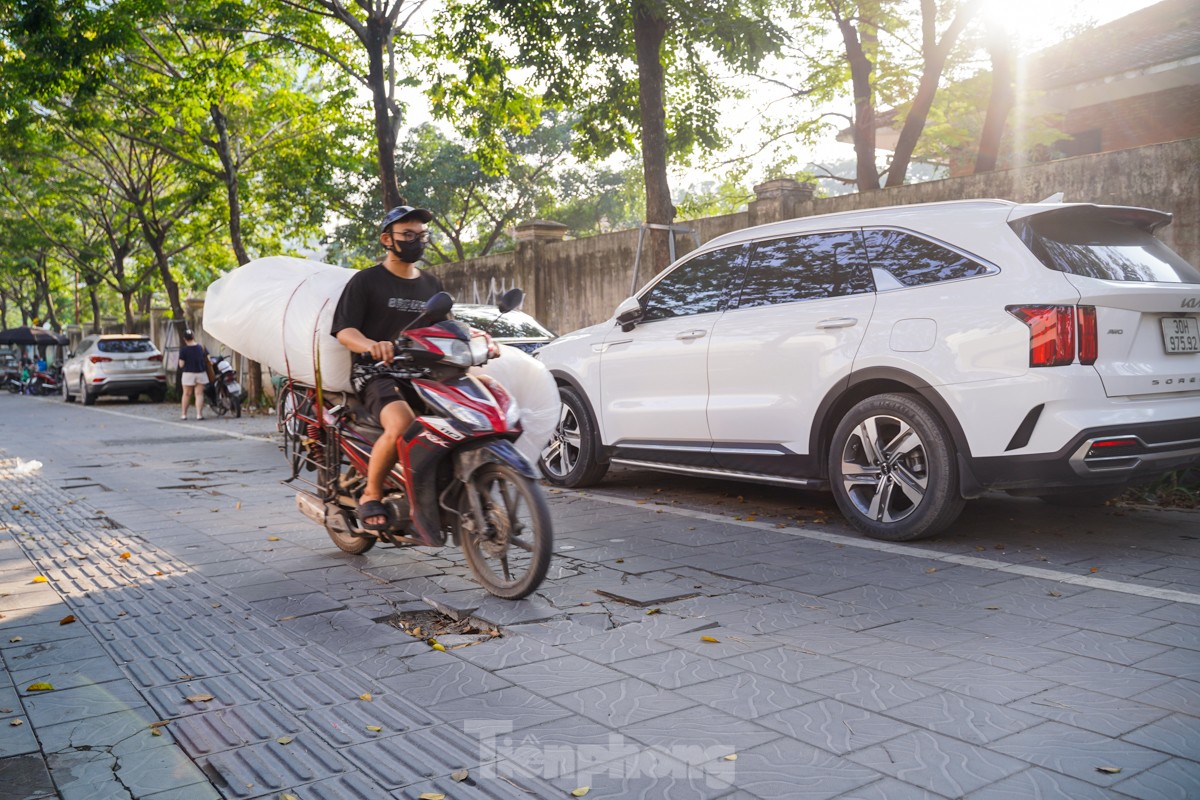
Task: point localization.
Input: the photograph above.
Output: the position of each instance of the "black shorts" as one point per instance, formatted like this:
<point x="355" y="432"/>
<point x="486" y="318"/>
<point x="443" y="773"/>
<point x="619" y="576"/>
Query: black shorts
<point x="383" y="390"/>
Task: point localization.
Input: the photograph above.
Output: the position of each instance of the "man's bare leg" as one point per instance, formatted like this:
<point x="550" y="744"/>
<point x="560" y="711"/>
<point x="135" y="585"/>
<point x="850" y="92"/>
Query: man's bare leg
<point x="395" y="419"/>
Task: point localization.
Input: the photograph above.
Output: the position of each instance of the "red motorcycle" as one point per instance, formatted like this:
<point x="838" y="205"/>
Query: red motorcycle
<point x="457" y="475"/>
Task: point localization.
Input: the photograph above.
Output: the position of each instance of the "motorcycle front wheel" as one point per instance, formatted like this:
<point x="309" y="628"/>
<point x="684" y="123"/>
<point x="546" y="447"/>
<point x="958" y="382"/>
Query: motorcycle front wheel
<point x="506" y="537"/>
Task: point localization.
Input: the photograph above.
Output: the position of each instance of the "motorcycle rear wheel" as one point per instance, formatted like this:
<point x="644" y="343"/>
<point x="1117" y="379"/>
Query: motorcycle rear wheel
<point x="509" y="553"/>
<point x="331" y="475"/>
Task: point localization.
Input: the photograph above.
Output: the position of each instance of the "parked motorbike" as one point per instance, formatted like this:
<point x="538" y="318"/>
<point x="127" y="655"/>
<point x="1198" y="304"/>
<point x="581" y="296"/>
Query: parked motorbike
<point x="11" y="380"/>
<point x="224" y="393"/>
<point x="43" y="382"/>
<point x="457" y="475"/>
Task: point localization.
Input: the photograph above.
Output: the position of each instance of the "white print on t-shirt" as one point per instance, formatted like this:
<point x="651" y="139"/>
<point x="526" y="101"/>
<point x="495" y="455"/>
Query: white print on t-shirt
<point x="406" y="304"/>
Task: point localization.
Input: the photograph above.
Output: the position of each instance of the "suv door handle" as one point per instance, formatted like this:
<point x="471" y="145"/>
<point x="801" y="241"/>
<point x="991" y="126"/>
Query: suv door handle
<point x="686" y="335"/>
<point x="837" y="322"/>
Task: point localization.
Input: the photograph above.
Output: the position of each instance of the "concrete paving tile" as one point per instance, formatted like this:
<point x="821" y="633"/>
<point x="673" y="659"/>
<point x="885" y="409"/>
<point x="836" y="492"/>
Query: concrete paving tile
<point x="305" y="692"/>
<point x="1008" y="654"/>
<point x="619" y="644"/>
<point x="1175" y="663"/>
<point x="1037" y="782"/>
<point x="820" y="584"/>
<point x="226" y="690"/>
<point x="784" y="664"/>
<point x="672" y="669"/>
<point x="494" y="782"/>
<point x="86" y="775"/>
<point x="558" y="675"/>
<point x="729" y="642"/>
<point x="30" y="774"/>
<point x="938" y="763"/>
<point x="1100" y="676"/>
<point x="1078" y="753"/>
<point x="623" y="702"/>
<point x="1172" y="696"/>
<point x="1177" y="735"/>
<point x="196" y="791"/>
<point x="419" y="755"/>
<point x="49" y="708"/>
<point x="441" y="684"/>
<point x="168" y="669"/>
<point x="231" y="728"/>
<point x="353" y="722"/>
<point x="1175" y="635"/>
<point x="514" y="703"/>
<point x="748" y="695"/>
<point x="1176" y="779"/>
<point x="903" y="660"/>
<point x="699" y="735"/>
<point x="989" y="683"/>
<point x="269" y="767"/>
<point x="1081" y="708"/>
<point x="508" y="651"/>
<point x="1017" y="628"/>
<point x="17" y="738"/>
<point x="822" y="639"/>
<point x="834" y="726"/>
<point x="560" y="631"/>
<point x="1106" y="621"/>
<point x="973" y="721"/>
<point x="286" y="608"/>
<point x="788" y="769"/>
<point x="889" y="789"/>
<point x="874" y="690"/>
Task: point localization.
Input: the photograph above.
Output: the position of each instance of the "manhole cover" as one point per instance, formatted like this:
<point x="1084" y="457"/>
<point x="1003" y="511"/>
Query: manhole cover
<point x="434" y="627"/>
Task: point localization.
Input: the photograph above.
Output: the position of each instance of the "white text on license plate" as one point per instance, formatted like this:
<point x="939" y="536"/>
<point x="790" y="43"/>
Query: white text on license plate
<point x="1181" y="334"/>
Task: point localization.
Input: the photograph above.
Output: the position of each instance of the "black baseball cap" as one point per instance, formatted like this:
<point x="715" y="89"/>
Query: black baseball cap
<point x="400" y="213"/>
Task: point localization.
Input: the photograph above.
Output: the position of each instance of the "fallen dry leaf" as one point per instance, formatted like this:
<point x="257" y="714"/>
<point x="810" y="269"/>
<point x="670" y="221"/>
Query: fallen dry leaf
<point x="581" y="791"/>
<point x="731" y="757"/>
<point x="431" y="796"/>
<point x="650" y="611"/>
<point x="931" y="570"/>
<point x="39" y="687"/>
<point x="238" y="507"/>
<point x="273" y="539"/>
<point x="1108" y="770"/>
<point x="1054" y="594"/>
<point x="15" y="639"/>
<point x="1094" y="570"/>
<point x="125" y="555"/>
<point x="198" y="698"/>
<point x="709" y="639"/>
<point x="284" y="740"/>
<point x="375" y="728"/>
<point x="16" y="722"/>
<point x="438" y="646"/>
<point x="288" y="797"/>
<point x="365" y="696"/>
<point x="40" y="579"/>
<point x="67" y="620"/>
<point x="459" y="776"/>
<point x="155" y="732"/>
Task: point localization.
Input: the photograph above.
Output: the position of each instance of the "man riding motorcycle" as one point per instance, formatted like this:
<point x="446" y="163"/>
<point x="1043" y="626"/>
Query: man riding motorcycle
<point x="374" y="308"/>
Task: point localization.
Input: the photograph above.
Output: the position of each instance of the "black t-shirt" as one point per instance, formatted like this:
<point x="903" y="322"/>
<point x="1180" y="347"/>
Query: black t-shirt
<point x="379" y="304"/>
<point x="192" y="356"/>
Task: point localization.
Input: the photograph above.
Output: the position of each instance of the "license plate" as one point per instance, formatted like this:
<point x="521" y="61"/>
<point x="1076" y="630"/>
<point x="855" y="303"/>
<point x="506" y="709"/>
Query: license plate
<point x="1181" y="334"/>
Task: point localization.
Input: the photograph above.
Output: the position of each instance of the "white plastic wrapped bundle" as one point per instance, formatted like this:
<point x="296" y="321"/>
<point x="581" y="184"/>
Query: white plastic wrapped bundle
<point x="532" y="387"/>
<point x="278" y="311"/>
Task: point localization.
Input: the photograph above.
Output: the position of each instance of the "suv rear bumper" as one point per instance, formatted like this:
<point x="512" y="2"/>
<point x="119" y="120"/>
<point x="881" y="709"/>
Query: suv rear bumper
<point x="1109" y="456"/>
<point x="114" y="385"/>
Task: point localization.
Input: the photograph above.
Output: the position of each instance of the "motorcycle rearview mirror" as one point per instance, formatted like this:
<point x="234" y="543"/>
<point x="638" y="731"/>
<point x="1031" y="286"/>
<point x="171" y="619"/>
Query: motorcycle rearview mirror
<point x="437" y="308"/>
<point x="510" y="300"/>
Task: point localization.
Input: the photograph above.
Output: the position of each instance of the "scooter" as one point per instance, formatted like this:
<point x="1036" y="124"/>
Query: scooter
<point x="224" y="393"/>
<point x="458" y="476"/>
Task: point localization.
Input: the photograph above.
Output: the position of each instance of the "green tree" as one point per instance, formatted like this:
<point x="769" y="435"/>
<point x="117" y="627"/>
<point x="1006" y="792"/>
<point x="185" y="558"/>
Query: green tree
<point x="643" y="76"/>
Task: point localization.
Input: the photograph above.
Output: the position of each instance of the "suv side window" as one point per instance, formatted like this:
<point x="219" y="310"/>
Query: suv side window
<point x="806" y="267"/>
<point x="914" y="261"/>
<point x="697" y="286"/>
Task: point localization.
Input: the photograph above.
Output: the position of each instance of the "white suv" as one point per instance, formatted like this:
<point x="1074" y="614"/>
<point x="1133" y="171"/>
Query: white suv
<point x="114" y="363"/>
<point x="906" y="358"/>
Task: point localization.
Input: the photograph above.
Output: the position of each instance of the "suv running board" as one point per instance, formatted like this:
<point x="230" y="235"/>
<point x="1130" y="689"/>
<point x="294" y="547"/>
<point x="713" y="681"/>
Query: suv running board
<point x="804" y="483"/>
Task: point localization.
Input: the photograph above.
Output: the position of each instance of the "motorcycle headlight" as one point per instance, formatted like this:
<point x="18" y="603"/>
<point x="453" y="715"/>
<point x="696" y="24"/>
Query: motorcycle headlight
<point x="456" y="352"/>
<point x="479" y="350"/>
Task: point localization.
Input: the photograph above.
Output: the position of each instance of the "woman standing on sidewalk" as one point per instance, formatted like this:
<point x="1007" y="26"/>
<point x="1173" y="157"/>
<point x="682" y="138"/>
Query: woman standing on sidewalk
<point x="193" y="360"/>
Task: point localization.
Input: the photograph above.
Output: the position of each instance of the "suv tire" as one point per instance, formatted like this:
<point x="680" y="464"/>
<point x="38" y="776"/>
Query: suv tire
<point x="570" y="457"/>
<point x="89" y="398"/>
<point x="892" y="469"/>
<point x="66" y="391"/>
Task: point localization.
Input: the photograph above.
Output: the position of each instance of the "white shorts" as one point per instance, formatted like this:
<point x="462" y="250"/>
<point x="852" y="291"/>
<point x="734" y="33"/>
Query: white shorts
<point x="195" y="379"/>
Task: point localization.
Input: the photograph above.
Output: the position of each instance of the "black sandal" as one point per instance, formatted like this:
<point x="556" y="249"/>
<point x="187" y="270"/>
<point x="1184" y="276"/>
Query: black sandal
<point x="374" y="508"/>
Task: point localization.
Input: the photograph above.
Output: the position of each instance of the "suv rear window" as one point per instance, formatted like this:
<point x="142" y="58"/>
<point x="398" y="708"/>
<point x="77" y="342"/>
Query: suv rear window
<point x="125" y="346"/>
<point x="1096" y="246"/>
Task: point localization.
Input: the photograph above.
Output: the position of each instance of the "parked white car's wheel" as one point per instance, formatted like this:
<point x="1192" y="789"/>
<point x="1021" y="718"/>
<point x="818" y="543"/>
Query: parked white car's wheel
<point x="892" y="469"/>
<point x="66" y="391"/>
<point x="570" y="458"/>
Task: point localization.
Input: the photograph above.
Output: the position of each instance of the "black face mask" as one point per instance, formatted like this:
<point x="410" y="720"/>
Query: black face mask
<point x="408" y="252"/>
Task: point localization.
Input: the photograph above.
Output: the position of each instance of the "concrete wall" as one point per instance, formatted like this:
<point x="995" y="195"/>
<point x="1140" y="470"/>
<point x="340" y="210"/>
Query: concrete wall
<point x="574" y="283"/>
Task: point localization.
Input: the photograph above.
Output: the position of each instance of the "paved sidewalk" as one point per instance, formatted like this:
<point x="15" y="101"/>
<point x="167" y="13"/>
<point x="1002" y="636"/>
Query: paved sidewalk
<point x="221" y="647"/>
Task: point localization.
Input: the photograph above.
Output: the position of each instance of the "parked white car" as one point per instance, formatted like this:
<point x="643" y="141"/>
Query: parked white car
<point x="906" y="358"/>
<point x="114" y="363"/>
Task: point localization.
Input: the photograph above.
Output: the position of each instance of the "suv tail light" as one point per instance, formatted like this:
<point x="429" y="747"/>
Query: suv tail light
<point x="157" y="357"/>
<point x="1053" y="331"/>
<point x="98" y="359"/>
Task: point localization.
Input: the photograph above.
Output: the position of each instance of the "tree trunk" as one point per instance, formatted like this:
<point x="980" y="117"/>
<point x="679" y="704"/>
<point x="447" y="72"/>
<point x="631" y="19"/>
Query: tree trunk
<point x="935" y="55"/>
<point x="649" y="30"/>
<point x="229" y="165"/>
<point x="861" y="67"/>
<point x="385" y="137"/>
<point x="1000" y="101"/>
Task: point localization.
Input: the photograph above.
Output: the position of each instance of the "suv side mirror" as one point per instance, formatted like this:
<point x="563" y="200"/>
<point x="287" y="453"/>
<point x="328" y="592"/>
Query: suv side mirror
<point x="629" y="313"/>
